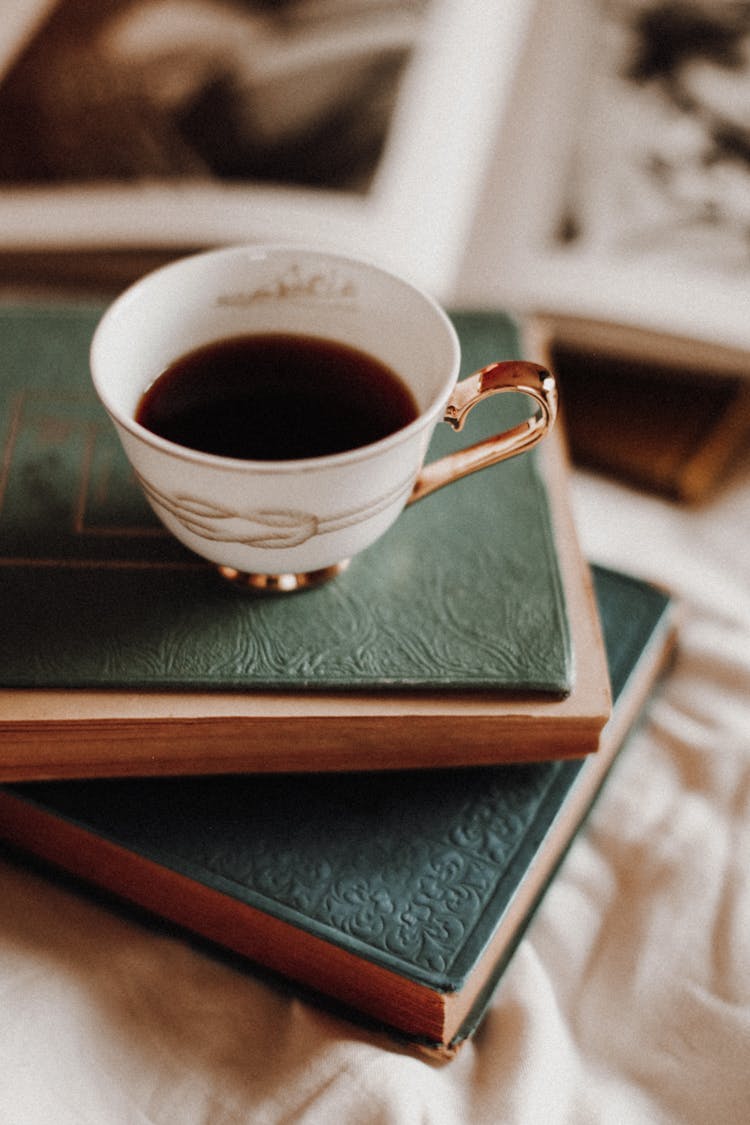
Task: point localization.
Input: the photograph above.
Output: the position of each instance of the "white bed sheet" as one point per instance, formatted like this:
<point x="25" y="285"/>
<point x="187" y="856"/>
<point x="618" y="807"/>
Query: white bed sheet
<point x="628" y="1000"/>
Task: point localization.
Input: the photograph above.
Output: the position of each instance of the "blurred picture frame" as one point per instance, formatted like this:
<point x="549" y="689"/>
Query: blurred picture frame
<point x="362" y="125"/>
<point x="619" y="204"/>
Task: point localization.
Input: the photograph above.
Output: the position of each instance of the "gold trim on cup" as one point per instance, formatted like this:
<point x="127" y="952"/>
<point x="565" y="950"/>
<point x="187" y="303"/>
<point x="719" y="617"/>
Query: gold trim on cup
<point x="280" y="583"/>
<point x="510" y="375"/>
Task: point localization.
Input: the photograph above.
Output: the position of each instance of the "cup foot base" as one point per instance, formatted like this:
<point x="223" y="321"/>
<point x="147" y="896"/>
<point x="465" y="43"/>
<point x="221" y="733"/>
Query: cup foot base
<point x="281" y="583"/>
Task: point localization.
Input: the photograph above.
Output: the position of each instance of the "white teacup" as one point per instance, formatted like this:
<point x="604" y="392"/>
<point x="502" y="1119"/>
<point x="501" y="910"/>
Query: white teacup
<point x="281" y="525"/>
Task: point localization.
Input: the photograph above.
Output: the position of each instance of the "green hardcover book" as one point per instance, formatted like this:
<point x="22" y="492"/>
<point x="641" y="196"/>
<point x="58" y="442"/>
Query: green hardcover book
<point x="398" y="895"/>
<point x="121" y="652"/>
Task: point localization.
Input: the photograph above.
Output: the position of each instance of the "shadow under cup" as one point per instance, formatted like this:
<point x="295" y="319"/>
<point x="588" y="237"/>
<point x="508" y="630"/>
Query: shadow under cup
<point x="282" y="524"/>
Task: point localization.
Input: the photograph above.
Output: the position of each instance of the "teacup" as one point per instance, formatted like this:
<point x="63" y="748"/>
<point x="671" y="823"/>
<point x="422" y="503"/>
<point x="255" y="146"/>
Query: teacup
<point x="289" y="523"/>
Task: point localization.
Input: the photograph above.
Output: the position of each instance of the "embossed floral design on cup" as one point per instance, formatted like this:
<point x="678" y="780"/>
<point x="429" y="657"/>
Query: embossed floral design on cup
<point x="280" y="525"/>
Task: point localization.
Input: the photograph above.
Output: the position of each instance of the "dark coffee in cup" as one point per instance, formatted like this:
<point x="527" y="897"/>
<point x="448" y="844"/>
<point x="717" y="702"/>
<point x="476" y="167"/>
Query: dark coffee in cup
<point x="276" y="397"/>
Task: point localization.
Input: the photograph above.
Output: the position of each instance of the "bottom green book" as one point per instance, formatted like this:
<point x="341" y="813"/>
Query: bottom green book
<point x="400" y="896"/>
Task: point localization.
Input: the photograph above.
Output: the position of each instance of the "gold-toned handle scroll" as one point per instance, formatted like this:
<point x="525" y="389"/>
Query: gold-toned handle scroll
<point x="512" y="375"/>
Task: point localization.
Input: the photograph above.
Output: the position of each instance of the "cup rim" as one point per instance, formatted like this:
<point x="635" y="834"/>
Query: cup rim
<point x="260" y="251"/>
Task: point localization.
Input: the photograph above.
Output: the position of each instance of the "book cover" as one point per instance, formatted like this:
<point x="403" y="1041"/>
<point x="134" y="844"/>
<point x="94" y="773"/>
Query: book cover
<point x="110" y="599"/>
<point x="399" y="895"/>
<point x="658" y="412"/>
<point x="122" y="652"/>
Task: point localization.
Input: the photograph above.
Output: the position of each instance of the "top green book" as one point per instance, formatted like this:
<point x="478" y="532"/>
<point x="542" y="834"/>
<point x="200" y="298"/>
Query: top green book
<point x="466" y="594"/>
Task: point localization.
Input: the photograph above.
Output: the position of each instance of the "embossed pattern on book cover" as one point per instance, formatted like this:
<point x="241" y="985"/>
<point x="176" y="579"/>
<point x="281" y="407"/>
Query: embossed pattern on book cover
<point x="463" y="592"/>
<point x="413" y="871"/>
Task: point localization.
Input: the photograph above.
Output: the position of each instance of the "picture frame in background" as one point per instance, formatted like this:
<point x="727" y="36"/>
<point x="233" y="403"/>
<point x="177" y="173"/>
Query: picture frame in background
<point x="364" y="125"/>
<point x="619" y="201"/>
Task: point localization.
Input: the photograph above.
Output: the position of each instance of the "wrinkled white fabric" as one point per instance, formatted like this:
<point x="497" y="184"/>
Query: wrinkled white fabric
<point x="628" y="1000"/>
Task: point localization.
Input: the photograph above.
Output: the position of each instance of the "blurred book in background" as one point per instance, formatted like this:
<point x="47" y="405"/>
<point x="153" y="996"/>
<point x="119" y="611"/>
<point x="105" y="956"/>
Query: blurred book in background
<point x="662" y="413"/>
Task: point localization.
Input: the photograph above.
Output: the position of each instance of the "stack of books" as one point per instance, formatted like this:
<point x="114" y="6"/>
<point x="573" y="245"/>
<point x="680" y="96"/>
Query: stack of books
<point x="364" y="788"/>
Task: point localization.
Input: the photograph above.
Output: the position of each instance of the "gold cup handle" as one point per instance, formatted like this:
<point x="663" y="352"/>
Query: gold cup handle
<point x="512" y="375"/>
